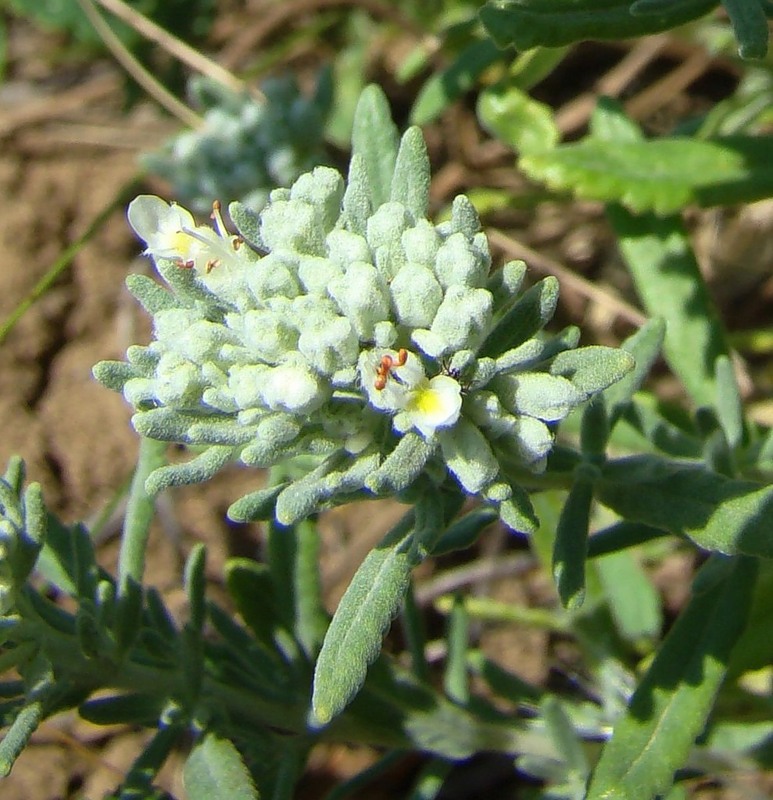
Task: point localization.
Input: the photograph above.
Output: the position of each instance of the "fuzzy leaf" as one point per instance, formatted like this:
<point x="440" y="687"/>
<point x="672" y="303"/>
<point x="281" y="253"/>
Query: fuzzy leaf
<point x="402" y="466"/>
<point x="410" y="185"/>
<point x="353" y="639"/>
<point x="468" y="455"/>
<point x="717" y="513"/>
<point x="660" y="175"/>
<point x="256" y="505"/>
<point x="670" y="705"/>
<point x="592" y="369"/>
<point x="215" y="771"/>
<point x="552" y="23"/>
<point x="374" y="139"/>
<point x="247" y="223"/>
<point x="197" y="470"/>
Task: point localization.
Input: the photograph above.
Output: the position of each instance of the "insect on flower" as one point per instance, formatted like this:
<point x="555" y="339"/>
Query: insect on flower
<point x="384" y="369"/>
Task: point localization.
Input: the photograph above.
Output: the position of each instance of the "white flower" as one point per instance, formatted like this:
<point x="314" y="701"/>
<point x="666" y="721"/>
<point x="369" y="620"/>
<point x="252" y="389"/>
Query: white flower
<point x="395" y="382"/>
<point x="171" y="232"/>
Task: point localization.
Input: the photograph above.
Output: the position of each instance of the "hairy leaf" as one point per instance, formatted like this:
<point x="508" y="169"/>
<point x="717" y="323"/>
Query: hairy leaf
<point x="215" y="771"/>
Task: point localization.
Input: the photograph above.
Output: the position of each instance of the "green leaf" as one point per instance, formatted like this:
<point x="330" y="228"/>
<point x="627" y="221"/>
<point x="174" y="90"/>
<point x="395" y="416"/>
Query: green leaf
<point x="131" y="708"/>
<point x="446" y="86"/>
<point x="660" y="175"/>
<point x="633" y="601"/>
<point x="717" y="513"/>
<point x="197" y="470"/>
<point x="18" y="735"/>
<point x="644" y="346"/>
<point x="750" y="26"/>
<point x="195" y="586"/>
<point x="410" y="185"/>
<point x="571" y="545"/>
<point x="669" y="707"/>
<point x="465" y="531"/>
<point x="354" y="637"/>
<point x="374" y="139"/>
<point x="529" y="314"/>
<point x="552" y="23"/>
<point x="256" y="505"/>
<point x="729" y="404"/>
<point x="592" y="369"/>
<point x="670" y="285"/>
<point x="516" y="119"/>
<point x="215" y="771"/>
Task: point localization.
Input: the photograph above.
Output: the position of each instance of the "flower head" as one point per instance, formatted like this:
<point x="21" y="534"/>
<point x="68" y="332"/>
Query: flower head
<point x="342" y="324"/>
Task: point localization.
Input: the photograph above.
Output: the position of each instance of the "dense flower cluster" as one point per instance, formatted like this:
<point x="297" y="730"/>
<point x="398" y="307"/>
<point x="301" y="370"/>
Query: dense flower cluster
<point x="244" y="148"/>
<point x="341" y="323"/>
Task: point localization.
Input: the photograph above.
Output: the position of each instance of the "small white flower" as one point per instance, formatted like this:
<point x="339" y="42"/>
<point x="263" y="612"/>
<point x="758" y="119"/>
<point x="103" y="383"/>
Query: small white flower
<point x="171" y="232"/>
<point x="395" y="382"/>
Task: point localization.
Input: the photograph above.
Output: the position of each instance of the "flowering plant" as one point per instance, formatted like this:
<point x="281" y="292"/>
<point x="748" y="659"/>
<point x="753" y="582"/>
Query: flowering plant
<point x="341" y="323"/>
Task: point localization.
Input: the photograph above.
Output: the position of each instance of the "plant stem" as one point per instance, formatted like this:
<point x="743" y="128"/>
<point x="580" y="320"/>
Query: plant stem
<point x="139" y="514"/>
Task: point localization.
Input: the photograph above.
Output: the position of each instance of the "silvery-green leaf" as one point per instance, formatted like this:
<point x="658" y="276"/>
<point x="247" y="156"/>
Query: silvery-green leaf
<point x="374" y="139"/>
<point x="468" y="455"/>
<point x="537" y="394"/>
<point x="354" y="637"/>
<point x="592" y="369"/>
<point x="410" y="185"/>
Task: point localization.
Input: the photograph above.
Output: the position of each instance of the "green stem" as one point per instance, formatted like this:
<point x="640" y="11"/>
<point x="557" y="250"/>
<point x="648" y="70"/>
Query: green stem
<point x="139" y="514"/>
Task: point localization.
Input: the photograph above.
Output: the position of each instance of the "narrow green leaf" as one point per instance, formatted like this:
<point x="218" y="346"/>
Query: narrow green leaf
<point x="564" y="737"/>
<point x="750" y="26"/>
<point x="633" y="601"/>
<point x="644" y="346"/>
<point x="215" y="771"/>
<point x="152" y="296"/>
<point x="670" y="285"/>
<point x="455" y="680"/>
<point x="571" y="545"/>
<point x="592" y="369"/>
<point x="464" y="532"/>
<point x="195" y="586"/>
<point x="670" y="706"/>
<point x="374" y="139"/>
<point x="717" y="513"/>
<point x="552" y="23"/>
<point x="18" y="735"/>
<point x="620" y="536"/>
<point x="197" y="470"/>
<point x="354" y="637"/>
<point x="446" y="86"/>
<point x="410" y="185"/>
<point x="728" y="404"/>
<point x="431" y="779"/>
<point x="516" y="119"/>
<point x="256" y="505"/>
<point x="131" y="708"/>
<point x="529" y="314"/>
<point x="310" y="617"/>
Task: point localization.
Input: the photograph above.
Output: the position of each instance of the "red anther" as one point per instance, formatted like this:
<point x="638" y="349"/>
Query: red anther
<point x="380" y="381"/>
<point x="402" y="356"/>
<point x="386" y="363"/>
<point x="184" y="264"/>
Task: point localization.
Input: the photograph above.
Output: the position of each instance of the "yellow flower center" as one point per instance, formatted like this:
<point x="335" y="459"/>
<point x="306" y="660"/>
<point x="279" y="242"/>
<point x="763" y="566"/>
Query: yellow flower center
<point x="425" y="400"/>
